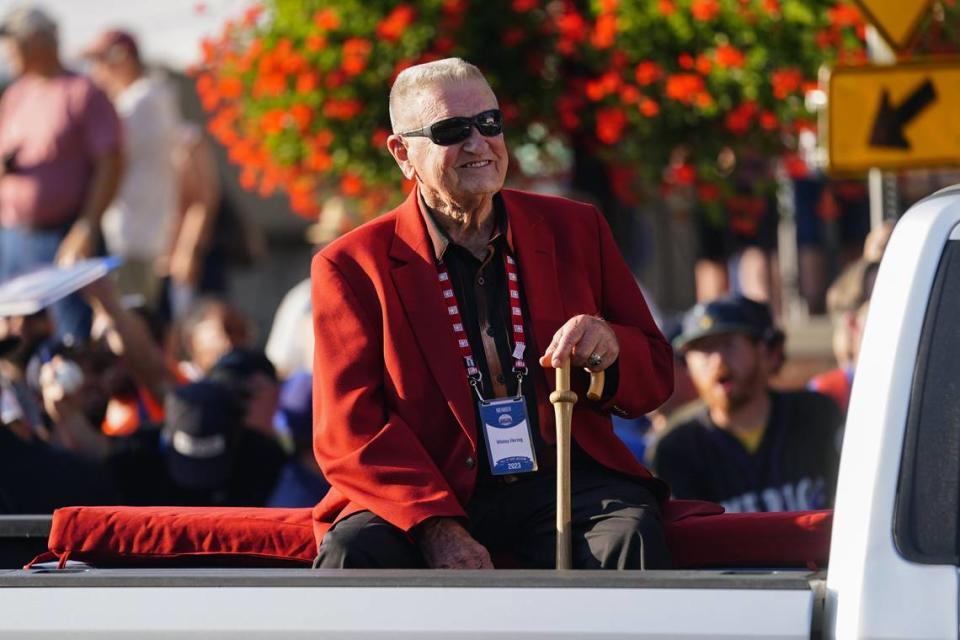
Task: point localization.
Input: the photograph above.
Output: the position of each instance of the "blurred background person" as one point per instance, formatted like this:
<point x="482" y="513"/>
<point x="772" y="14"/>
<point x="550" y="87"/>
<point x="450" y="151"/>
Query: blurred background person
<point x="60" y="144"/>
<point x="139" y="224"/>
<point x="209" y="330"/>
<point x="195" y="262"/>
<point x="301" y="483"/>
<point x="211" y="457"/>
<point x="750" y="448"/>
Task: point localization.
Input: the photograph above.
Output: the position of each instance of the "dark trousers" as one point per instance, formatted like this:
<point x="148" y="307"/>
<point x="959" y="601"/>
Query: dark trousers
<point x="616" y="525"/>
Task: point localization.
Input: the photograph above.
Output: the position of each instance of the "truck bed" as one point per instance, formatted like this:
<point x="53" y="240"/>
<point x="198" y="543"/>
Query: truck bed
<point x="291" y="603"/>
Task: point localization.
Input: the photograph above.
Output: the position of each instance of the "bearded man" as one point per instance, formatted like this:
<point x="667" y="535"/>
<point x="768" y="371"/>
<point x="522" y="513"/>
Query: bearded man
<point x="751" y="448"/>
<point x="433" y="326"/>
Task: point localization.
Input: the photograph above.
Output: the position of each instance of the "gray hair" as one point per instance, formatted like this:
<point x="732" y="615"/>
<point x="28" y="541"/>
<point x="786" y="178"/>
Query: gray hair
<point x="437" y="72"/>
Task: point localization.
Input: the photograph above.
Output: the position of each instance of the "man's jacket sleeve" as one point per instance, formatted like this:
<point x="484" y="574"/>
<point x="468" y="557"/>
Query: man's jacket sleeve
<point x="366" y="452"/>
<point x="646" y="359"/>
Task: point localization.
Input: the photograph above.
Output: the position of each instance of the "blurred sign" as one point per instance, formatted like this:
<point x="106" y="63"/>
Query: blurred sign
<point x="893" y="117"/>
<point x="29" y="293"/>
<point x="896" y="20"/>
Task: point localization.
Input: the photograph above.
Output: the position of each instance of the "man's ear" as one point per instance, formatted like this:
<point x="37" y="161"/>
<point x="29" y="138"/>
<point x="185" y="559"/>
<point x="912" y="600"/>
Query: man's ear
<point x="401" y="154"/>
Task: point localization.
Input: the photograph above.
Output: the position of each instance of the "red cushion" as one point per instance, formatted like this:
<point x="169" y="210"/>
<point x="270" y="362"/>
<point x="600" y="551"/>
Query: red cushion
<point x="698" y="533"/>
<point x="183" y="535"/>
<point x="787" y="539"/>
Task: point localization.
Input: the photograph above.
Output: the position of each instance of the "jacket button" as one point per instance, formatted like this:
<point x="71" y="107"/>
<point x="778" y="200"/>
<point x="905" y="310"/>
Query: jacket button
<point x="490" y="331"/>
<point x="470" y="462"/>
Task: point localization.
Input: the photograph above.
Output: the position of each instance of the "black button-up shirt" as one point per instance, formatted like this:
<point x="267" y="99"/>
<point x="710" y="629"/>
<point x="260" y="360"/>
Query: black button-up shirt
<point x="480" y="287"/>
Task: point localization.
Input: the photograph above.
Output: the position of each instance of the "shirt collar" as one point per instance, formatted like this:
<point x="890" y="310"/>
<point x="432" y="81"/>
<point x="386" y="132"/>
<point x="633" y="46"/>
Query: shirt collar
<point x="439" y="238"/>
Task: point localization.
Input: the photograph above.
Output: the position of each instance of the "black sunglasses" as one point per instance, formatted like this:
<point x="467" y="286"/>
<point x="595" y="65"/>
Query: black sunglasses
<point x="455" y="130"/>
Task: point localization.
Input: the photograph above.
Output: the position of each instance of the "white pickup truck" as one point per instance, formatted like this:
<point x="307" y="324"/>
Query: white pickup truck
<point x="894" y="555"/>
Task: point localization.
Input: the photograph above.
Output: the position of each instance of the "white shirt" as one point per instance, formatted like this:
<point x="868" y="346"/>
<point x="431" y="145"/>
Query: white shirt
<point x="290" y="345"/>
<point x="140" y="221"/>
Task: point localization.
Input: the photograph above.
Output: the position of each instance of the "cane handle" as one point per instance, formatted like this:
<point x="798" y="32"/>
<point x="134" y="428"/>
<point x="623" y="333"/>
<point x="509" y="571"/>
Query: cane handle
<point x="597" y="380"/>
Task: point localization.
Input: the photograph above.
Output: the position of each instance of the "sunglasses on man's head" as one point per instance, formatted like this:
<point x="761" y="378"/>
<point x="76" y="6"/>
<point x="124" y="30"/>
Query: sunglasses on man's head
<point x="455" y="130"/>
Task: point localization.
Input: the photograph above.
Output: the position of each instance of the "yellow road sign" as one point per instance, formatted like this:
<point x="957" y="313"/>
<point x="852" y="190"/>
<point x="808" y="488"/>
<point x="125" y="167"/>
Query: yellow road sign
<point x="893" y="117"/>
<point x="896" y="20"/>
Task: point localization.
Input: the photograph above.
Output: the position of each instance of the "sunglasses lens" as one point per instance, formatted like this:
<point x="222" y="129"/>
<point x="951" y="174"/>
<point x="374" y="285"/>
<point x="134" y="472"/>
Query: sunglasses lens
<point x="489" y="123"/>
<point x="451" y="131"/>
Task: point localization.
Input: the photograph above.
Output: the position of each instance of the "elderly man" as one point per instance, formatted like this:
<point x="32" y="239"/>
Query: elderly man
<point x="60" y="147"/>
<point x="428" y="322"/>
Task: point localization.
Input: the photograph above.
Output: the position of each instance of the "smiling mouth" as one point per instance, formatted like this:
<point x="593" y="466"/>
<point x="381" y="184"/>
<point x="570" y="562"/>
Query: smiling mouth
<point x="475" y="164"/>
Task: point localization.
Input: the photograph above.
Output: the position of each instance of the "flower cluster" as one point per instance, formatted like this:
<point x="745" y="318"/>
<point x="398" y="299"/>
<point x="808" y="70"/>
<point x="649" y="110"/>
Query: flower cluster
<point x="296" y="89"/>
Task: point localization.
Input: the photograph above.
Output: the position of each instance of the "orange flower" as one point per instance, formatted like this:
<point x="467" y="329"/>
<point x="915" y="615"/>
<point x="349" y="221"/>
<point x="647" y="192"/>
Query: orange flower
<point x="396" y="22"/>
<point x="686" y="61"/>
<point x="610" y="124"/>
<point x="705" y="10"/>
<point x="647" y="73"/>
<point x="629" y="94"/>
<point x="604" y="31"/>
<point x="772" y="6"/>
<point x="351" y="185"/>
<point x="684" y="87"/>
<point x="248" y="179"/>
<point x="703" y="64"/>
<point x="315" y="43"/>
<point x="273" y="121"/>
<point x="318" y="160"/>
<point x="666" y="7"/>
<point x="273" y="84"/>
<point x="729" y="57"/>
<point x="785" y="82"/>
<point x="355" y="54"/>
<point x="342" y="109"/>
<point x="324" y="138"/>
<point x="844" y="15"/>
<point x="703" y="100"/>
<point x="231" y="87"/>
<point x="326" y="19"/>
<point x="768" y="121"/>
<point x="306" y="82"/>
<point x="302" y="115"/>
<point x="649" y="108"/>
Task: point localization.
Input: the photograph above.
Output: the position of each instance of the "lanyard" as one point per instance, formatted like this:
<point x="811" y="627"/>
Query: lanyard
<point x="516" y="319"/>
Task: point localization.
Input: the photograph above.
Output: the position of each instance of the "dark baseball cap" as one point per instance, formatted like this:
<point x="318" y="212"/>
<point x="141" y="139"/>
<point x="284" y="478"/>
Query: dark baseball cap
<point x="200" y="433"/>
<point x="729" y="314"/>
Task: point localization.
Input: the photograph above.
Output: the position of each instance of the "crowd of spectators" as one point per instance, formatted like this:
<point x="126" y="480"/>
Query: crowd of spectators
<point x="147" y="386"/>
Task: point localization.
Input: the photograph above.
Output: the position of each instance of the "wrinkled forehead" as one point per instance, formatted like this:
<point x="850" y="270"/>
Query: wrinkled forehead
<point x="439" y="100"/>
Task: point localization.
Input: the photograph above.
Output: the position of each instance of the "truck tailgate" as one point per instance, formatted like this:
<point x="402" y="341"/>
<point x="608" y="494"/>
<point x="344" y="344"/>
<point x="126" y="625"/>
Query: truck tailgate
<point x="300" y="603"/>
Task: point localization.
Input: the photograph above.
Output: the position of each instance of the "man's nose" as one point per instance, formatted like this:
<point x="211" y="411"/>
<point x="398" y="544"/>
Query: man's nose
<point x="475" y="141"/>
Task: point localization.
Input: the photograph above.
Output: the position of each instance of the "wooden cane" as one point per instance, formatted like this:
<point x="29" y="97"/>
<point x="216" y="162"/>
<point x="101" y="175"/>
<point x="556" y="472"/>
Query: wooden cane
<point x="563" y="400"/>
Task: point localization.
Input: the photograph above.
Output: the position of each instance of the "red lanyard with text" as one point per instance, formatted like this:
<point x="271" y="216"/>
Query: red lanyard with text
<point x="516" y="319"/>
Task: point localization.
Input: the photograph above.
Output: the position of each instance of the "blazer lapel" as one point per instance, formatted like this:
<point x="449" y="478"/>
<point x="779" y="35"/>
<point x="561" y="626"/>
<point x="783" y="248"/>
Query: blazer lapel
<point x="533" y="242"/>
<point x="415" y="278"/>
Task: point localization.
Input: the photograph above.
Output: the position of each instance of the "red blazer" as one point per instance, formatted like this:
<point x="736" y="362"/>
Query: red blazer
<point x="395" y="428"/>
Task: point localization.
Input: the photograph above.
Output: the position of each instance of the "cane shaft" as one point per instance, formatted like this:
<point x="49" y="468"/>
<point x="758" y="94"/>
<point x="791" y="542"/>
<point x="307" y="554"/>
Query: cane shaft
<point x="563" y="400"/>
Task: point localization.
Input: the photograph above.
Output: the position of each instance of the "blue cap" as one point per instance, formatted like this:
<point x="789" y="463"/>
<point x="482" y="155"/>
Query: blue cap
<point x="730" y="314"/>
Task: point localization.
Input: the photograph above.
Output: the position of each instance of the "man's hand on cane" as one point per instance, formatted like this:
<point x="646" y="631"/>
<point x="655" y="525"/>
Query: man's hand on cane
<point x="587" y="340"/>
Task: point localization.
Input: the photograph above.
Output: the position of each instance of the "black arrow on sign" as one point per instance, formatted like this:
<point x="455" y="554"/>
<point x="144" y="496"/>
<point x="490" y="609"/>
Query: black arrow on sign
<point x="889" y="123"/>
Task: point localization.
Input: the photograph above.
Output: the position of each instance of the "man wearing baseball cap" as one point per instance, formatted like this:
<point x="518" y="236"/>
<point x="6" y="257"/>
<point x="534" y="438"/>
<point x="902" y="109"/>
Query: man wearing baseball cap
<point x="60" y="160"/>
<point x="751" y="448"/>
